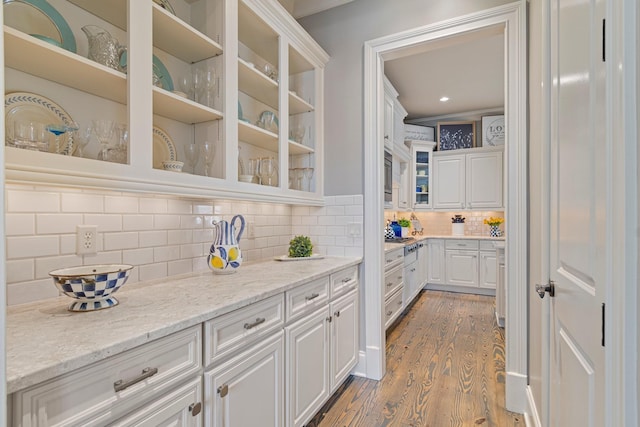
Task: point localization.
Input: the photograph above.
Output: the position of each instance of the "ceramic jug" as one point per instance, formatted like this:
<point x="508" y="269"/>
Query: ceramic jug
<point x="225" y="256"/>
<point x="104" y="48"/>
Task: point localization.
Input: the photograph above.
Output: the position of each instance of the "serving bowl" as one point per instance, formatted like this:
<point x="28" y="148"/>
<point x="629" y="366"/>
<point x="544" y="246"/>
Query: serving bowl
<point x="91" y="285"/>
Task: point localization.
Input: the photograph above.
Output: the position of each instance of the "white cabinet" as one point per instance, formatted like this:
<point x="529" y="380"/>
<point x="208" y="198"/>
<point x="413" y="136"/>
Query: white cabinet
<point x="181" y="407"/>
<point x="238" y="39"/>
<point x="436" y="264"/>
<point x="344" y="337"/>
<point x="423" y="263"/>
<point x="308" y="379"/>
<point x="422" y="175"/>
<point x="390" y="94"/>
<point x="393" y="285"/>
<point x="488" y="271"/>
<point x="462" y="267"/>
<point x="500" y="285"/>
<point x="248" y="389"/>
<point x="468" y="179"/>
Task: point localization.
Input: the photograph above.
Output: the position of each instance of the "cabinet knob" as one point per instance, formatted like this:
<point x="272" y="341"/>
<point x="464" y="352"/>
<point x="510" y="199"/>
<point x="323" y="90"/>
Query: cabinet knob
<point x="389" y="313"/>
<point x="337" y="313"/>
<point x="195" y="408"/>
<point x="329" y="319"/>
<point x="223" y="390"/>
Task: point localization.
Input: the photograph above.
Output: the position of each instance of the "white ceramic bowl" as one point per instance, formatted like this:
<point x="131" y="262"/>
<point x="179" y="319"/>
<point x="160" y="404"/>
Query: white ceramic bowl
<point x="245" y="178"/>
<point x="172" y="165"/>
<point x="91" y="285"/>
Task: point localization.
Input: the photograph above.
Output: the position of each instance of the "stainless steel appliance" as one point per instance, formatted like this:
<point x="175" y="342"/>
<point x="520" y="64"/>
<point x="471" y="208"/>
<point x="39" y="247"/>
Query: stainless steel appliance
<point x="388" y="177"/>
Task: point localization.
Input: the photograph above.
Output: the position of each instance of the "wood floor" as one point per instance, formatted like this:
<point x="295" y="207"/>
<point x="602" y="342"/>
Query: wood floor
<point x="445" y="367"/>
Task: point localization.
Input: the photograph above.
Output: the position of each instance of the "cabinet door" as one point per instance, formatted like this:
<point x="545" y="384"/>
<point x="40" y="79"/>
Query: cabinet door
<point x="388" y="122"/>
<point x="423" y="262"/>
<point x="449" y="181"/>
<point x="462" y="268"/>
<point x="182" y="407"/>
<point x="484" y="180"/>
<point x="410" y="283"/>
<point x="307" y="367"/>
<point x="488" y="273"/>
<point x="435" y="266"/>
<point x="344" y="337"/>
<point x="403" y="189"/>
<point x="248" y="389"/>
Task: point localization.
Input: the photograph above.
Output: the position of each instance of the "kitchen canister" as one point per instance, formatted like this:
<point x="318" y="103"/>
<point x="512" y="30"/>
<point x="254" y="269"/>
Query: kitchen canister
<point x="225" y="256"/>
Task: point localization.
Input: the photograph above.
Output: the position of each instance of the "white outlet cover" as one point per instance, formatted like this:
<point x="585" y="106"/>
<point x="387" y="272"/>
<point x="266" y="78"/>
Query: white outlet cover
<point x="86" y="239"/>
<point x="354" y="229"/>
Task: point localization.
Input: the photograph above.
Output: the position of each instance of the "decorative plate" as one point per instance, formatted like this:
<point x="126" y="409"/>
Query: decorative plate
<point x="40" y="19"/>
<point x="160" y="72"/>
<point x="288" y="258"/>
<point x="29" y="106"/>
<point x="163" y="148"/>
<point x="165" y="5"/>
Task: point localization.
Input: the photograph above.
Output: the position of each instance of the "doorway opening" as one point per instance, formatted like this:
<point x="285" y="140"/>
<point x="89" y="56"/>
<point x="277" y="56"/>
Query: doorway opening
<point x="512" y="20"/>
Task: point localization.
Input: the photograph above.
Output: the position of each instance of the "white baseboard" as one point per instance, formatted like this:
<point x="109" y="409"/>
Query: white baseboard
<point x="531" y="415"/>
<point x="360" y="370"/>
<point x="516" y="389"/>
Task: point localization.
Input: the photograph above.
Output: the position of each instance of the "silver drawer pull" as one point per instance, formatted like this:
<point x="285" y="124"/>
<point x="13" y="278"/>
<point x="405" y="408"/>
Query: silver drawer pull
<point x="312" y="296"/>
<point x="346" y="280"/>
<point x="399" y="302"/>
<point x="389" y="260"/>
<point x="258" y="321"/>
<point x="146" y="373"/>
<point x="399" y="277"/>
<point x="195" y="408"/>
<point x="413" y="269"/>
<point x="389" y="284"/>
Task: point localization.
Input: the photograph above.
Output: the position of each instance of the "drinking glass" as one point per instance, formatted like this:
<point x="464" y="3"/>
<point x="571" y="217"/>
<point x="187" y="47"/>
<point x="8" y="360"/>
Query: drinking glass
<point x="185" y="83"/>
<point x="120" y="152"/>
<point x="104" y="130"/>
<point x="191" y="156"/>
<point x="208" y="152"/>
<point x="198" y="84"/>
<point x="30" y="136"/>
<point x="209" y="86"/>
<point x="307" y="173"/>
<point x="58" y="129"/>
<point x="267" y="169"/>
<point x="81" y="138"/>
<point x="254" y="169"/>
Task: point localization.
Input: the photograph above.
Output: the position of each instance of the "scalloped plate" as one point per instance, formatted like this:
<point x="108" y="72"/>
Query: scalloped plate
<point x="288" y="258"/>
<point x="163" y="148"/>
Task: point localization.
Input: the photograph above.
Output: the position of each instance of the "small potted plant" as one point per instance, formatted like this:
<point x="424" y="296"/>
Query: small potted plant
<point x="300" y="247"/>
<point x="494" y="225"/>
<point x="405" y="224"/>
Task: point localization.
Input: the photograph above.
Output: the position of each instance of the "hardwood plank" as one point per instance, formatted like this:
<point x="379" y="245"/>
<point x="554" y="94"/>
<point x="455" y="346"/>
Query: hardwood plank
<point x="445" y="367"/>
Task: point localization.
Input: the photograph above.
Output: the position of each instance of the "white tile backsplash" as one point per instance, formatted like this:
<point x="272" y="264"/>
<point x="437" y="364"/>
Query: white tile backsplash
<point x="161" y="236"/>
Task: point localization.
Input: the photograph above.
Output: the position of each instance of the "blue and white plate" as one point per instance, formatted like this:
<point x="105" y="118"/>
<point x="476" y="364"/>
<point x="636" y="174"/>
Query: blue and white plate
<point x="40" y="19"/>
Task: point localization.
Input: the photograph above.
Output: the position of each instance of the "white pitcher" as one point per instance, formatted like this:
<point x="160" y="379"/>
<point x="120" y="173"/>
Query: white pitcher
<point x="225" y="256"/>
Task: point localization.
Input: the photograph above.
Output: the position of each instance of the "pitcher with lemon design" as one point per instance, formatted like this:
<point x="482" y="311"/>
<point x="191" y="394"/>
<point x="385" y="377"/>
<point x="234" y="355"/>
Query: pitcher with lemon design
<point x="225" y="256"/>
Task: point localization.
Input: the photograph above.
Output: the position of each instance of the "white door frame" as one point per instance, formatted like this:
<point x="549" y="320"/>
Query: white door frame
<point x="3" y="269"/>
<point x="513" y="17"/>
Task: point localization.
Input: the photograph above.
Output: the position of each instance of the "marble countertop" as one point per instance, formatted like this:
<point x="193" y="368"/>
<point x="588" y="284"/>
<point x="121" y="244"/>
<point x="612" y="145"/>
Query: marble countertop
<point x="389" y="246"/>
<point x="45" y="340"/>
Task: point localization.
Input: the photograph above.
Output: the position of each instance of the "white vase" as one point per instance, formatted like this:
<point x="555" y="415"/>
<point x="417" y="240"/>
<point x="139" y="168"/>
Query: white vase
<point x="457" y="229"/>
<point x="404" y="232"/>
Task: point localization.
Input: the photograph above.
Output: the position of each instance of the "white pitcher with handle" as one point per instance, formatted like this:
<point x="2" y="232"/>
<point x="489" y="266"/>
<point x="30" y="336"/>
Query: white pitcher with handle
<point x="225" y="256"/>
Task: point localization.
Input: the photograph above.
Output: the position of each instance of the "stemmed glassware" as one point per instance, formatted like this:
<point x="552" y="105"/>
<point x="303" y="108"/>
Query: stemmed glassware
<point x="208" y="152"/>
<point x="120" y="155"/>
<point x="307" y="173"/>
<point x="191" y="156"/>
<point x="209" y="86"/>
<point x="57" y="130"/>
<point x="81" y="138"/>
<point x="267" y="170"/>
<point x="104" y="130"/>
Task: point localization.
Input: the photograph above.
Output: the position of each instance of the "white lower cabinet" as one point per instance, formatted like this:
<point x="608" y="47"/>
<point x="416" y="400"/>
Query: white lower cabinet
<point x="307" y="366"/>
<point x="436" y="265"/>
<point x="487" y="265"/>
<point x="344" y="337"/>
<point x="182" y="407"/>
<point x="248" y="389"/>
<point x="462" y="267"/>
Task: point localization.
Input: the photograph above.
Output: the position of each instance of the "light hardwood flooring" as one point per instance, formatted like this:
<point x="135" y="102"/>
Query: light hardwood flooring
<point x="445" y="367"/>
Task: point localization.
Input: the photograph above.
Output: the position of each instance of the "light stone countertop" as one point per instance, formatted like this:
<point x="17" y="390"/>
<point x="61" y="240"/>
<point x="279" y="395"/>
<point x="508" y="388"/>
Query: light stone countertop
<point x="44" y="340"/>
<point x="391" y="246"/>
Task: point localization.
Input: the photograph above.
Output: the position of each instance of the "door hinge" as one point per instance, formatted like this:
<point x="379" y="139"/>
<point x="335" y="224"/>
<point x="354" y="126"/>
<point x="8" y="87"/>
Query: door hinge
<point x="602" y="342"/>
<point x="604" y="39"/>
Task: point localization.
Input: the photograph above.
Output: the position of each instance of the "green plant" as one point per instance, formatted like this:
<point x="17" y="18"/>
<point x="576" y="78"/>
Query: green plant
<point x="403" y="222"/>
<point x="300" y="246"/>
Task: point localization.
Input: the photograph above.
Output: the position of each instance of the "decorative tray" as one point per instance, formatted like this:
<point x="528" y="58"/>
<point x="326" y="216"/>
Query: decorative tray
<point x="288" y="258"/>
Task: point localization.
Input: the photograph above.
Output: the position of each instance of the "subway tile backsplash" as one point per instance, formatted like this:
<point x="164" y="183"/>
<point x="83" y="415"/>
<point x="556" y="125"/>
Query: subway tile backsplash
<point x="160" y="235"/>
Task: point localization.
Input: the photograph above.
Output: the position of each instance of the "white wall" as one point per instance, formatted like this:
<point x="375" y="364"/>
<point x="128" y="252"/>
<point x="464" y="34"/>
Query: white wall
<point x="342" y="32"/>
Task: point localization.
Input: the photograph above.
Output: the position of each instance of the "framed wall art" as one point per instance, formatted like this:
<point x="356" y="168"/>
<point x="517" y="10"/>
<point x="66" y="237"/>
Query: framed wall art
<point x="456" y="135"/>
<point x="493" y="131"/>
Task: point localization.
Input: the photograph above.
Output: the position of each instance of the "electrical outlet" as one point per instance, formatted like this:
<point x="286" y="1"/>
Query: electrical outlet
<point x="354" y="229"/>
<point x="86" y="239"/>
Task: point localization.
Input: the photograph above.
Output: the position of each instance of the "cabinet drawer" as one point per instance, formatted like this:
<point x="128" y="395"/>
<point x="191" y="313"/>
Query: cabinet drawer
<point x="226" y="334"/>
<point x="392" y="308"/>
<point x="88" y="396"/>
<point x="393" y="280"/>
<point x="461" y="244"/>
<point x="487" y="245"/>
<point x="306" y="298"/>
<point x="344" y="280"/>
<point x="393" y="257"/>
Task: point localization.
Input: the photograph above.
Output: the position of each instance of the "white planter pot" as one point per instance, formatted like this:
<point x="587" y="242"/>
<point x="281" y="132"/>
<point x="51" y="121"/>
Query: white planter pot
<point x="405" y="232"/>
<point x="457" y="229"/>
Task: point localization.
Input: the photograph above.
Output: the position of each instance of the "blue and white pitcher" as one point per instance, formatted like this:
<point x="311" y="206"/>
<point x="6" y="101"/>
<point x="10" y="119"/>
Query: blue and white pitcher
<point x="225" y="256"/>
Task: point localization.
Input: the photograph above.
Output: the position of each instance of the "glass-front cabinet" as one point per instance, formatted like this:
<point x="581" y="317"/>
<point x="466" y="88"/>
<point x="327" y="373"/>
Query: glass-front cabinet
<point x="421" y="160"/>
<point x="167" y="96"/>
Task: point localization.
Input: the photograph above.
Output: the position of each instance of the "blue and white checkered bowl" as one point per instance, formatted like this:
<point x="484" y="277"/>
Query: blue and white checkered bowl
<point x="91" y="285"/>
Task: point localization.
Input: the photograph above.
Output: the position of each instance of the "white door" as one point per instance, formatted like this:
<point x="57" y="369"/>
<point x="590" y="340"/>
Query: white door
<point x="248" y="389"/>
<point x="577" y="213"/>
<point x="449" y="182"/>
<point x="344" y="337"/>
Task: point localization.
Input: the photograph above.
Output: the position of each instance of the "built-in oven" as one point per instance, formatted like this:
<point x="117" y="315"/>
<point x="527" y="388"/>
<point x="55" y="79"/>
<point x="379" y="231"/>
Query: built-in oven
<point x="388" y="177"/>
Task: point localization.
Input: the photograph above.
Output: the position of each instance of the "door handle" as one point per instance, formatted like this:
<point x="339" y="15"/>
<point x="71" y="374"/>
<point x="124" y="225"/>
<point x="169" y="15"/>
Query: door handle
<point x="543" y="289"/>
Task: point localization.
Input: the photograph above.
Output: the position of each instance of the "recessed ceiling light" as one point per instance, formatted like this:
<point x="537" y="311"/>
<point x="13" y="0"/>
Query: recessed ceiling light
<point x="444" y="99"/>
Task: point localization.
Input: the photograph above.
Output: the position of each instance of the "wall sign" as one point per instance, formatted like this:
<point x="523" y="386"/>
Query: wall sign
<point x="493" y="131"/>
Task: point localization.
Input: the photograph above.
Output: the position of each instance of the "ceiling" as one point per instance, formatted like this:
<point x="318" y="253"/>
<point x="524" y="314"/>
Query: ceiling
<point x="468" y="69"/>
<point x="302" y="8"/>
